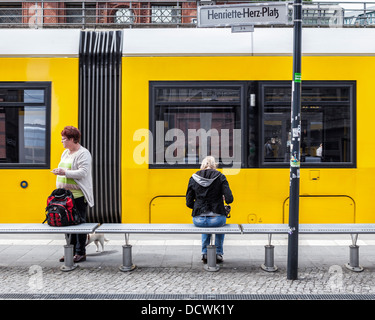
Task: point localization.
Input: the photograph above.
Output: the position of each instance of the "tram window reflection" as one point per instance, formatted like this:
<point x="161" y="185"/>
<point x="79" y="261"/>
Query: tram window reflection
<point x="326" y="124"/>
<point x="190" y="134"/>
<point x="24" y="136"/>
<point x="193" y="120"/>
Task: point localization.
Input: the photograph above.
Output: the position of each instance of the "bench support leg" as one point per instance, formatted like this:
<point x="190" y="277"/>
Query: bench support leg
<point x="353" y="264"/>
<point x="211" y="259"/>
<point x="269" y="265"/>
<point x="68" y="259"/>
<point x="127" y="264"/>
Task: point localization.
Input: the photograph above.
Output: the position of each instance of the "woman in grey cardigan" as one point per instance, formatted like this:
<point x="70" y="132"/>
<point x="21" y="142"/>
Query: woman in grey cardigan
<point x="74" y="173"/>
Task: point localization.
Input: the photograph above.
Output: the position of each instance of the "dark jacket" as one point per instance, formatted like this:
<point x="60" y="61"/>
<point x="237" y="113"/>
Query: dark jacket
<point x="205" y="192"/>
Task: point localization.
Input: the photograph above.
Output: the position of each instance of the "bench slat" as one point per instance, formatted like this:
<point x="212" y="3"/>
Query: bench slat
<point x="164" y="228"/>
<point x="265" y="228"/>
<point x="344" y="228"/>
<point x="45" y="228"/>
<point x="350" y="228"/>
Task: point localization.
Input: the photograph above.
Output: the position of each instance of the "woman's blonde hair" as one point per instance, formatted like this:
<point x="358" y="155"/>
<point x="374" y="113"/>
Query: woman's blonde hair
<point x="209" y="163"/>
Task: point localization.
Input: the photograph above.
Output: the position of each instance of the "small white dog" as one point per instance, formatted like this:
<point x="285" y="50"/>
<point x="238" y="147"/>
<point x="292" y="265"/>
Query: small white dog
<point x="96" y="238"/>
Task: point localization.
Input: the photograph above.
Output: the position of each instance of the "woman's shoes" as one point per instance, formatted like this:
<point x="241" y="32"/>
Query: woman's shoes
<point x="79" y="258"/>
<point x="204" y="258"/>
<point x="76" y="258"/>
<point x="219" y="258"/>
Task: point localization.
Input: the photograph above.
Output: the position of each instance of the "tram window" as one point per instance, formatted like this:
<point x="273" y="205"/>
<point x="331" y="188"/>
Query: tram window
<point x="24" y="125"/>
<point x="309" y="94"/>
<point x="210" y="94"/>
<point x="327" y="124"/>
<point x="190" y="121"/>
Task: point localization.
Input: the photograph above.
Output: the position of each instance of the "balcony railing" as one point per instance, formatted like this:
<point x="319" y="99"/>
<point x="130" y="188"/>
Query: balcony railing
<point x="158" y="13"/>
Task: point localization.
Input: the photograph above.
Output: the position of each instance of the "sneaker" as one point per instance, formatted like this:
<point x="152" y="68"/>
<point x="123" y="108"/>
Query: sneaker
<point x="204" y="258"/>
<point x="219" y="258"/>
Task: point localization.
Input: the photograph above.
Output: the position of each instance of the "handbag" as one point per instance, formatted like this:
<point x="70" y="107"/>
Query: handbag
<point x="227" y="210"/>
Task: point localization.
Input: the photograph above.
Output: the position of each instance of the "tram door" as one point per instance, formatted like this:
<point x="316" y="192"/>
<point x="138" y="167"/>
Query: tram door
<point x="327" y="144"/>
<point x="24" y="149"/>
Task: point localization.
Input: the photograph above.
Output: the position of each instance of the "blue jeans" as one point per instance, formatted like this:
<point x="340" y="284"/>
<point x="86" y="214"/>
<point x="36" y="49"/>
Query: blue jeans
<point x="218" y="221"/>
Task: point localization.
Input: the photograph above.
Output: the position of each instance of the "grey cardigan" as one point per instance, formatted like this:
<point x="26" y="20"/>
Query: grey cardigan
<point x="81" y="173"/>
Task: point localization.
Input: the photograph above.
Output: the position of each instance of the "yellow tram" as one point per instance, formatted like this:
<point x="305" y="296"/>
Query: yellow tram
<point x="151" y="103"/>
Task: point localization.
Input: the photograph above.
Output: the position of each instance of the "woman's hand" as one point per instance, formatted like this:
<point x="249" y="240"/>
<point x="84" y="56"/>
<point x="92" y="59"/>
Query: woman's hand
<point x="59" y="171"/>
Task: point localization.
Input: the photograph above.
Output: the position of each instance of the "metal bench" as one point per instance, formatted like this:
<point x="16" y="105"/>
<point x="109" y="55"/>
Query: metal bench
<point x="354" y="229"/>
<point x="166" y="229"/>
<point x="44" y="228"/>
<point x="269" y="229"/>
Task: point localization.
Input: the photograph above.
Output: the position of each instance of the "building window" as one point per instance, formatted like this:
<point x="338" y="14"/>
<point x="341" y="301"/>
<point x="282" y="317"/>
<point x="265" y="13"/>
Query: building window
<point x="327" y="123"/>
<point x="83" y="13"/>
<point x="24" y="125"/>
<point x="166" y="14"/>
<point x="124" y="15"/>
<point x="192" y="120"/>
<point x="11" y="13"/>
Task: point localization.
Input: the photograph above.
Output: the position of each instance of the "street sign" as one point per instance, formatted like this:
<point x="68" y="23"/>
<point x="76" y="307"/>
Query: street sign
<point x="243" y="14"/>
<point x="242" y="29"/>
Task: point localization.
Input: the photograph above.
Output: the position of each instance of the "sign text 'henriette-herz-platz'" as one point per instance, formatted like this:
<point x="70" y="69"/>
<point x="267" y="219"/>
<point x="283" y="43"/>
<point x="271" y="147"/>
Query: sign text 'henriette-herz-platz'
<point x="244" y="13"/>
<point x="226" y="15"/>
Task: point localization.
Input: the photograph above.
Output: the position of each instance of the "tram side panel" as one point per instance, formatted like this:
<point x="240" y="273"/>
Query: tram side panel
<point x="330" y="192"/>
<point x="156" y="194"/>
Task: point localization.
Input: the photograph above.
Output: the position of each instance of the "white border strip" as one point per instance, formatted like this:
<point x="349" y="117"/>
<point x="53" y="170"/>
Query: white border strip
<point x="195" y="42"/>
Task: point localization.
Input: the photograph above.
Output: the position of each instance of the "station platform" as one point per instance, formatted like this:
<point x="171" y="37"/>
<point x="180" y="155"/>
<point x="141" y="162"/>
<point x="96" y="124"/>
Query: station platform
<point x="169" y="267"/>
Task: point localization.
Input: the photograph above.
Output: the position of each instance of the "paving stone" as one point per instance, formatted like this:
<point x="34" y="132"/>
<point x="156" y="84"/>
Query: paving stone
<point x="176" y="269"/>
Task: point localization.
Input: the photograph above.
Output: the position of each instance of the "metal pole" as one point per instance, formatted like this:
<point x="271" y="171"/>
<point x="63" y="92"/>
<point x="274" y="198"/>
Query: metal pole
<point x="292" y="266"/>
